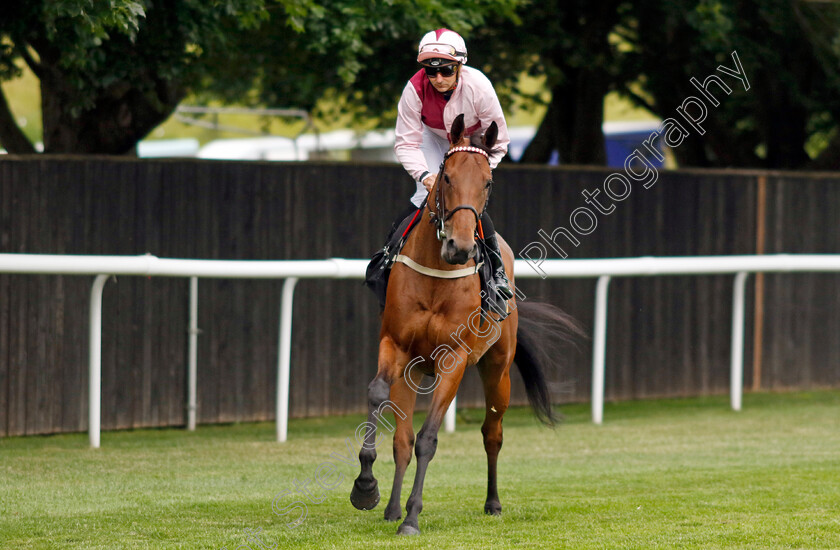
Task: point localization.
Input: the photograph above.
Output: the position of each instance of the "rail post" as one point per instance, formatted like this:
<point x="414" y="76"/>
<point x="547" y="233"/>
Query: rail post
<point x="736" y="369"/>
<point x="285" y="357"/>
<point x="192" y="368"/>
<point x="599" y="351"/>
<point x="95" y="359"/>
<point x="449" y="419"/>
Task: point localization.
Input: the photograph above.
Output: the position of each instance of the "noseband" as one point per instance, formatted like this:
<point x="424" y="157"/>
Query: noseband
<point x="441" y="215"/>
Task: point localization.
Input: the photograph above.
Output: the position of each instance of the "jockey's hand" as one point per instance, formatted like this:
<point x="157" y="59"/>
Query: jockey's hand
<point x="429" y="182"/>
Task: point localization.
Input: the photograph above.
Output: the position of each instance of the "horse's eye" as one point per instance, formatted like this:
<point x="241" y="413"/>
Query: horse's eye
<point x="489" y="183"/>
<point x="446" y="179"/>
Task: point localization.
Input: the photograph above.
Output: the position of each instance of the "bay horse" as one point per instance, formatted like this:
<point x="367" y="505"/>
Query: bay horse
<point x="424" y="332"/>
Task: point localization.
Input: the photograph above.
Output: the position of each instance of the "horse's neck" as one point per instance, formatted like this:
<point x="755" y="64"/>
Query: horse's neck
<point x="422" y="245"/>
<point x="432" y="293"/>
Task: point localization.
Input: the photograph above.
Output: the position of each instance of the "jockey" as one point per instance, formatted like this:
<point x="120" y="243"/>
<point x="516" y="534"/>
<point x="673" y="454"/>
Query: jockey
<point x="441" y="90"/>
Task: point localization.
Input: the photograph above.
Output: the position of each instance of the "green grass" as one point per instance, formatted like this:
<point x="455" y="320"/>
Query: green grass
<point x="658" y="474"/>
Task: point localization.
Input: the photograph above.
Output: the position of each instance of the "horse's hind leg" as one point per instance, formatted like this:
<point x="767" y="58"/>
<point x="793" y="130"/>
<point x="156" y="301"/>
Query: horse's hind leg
<point x="497" y="397"/>
<point x="426" y="446"/>
<point x="365" y="493"/>
<point x="403" y="397"/>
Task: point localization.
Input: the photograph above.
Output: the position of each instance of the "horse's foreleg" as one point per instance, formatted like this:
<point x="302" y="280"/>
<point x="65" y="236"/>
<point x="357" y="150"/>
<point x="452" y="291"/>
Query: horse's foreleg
<point x="365" y="493"/>
<point x="497" y="397"/>
<point x="404" y="398"/>
<point x="426" y="445"/>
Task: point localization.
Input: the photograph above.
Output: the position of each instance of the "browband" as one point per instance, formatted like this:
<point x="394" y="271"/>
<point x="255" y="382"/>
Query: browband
<point x="466" y="149"/>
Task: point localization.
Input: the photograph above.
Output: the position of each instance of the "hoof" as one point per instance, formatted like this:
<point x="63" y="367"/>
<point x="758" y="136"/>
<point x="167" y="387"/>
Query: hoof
<point x="365" y="499"/>
<point x="392" y="514"/>
<point x="493" y="508"/>
<point x="406" y="529"/>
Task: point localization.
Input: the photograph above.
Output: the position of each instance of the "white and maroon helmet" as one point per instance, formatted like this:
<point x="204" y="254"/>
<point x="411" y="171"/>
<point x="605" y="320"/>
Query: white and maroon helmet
<point x="442" y="44"/>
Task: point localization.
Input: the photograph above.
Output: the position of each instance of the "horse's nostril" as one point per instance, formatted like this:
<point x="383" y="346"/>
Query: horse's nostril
<point x="450" y="243"/>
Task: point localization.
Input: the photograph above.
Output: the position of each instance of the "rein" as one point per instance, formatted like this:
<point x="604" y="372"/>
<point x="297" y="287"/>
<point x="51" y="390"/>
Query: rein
<point x="441" y="216"/>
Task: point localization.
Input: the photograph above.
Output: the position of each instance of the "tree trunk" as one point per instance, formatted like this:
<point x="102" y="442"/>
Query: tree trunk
<point x="692" y="152"/>
<point x="573" y="123"/>
<point x="784" y="123"/>
<point x="829" y="158"/>
<point x="546" y="139"/>
<point x="11" y="137"/>
<point x="123" y="115"/>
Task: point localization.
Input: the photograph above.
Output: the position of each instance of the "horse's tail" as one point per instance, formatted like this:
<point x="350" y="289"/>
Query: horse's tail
<point x="544" y="332"/>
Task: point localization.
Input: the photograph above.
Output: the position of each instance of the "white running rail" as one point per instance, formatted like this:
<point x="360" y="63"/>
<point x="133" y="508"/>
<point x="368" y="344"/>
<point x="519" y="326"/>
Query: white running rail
<point x="337" y="268"/>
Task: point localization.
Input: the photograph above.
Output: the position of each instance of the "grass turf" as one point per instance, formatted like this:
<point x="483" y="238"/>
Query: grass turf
<point x="658" y="474"/>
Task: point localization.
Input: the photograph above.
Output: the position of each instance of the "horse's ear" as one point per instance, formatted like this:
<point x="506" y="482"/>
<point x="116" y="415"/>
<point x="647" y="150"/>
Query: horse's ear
<point x="456" y="133"/>
<point x="489" y="138"/>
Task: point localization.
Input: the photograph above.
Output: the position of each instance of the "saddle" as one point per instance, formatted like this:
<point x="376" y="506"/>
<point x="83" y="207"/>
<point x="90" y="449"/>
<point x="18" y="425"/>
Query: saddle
<point x="379" y="269"/>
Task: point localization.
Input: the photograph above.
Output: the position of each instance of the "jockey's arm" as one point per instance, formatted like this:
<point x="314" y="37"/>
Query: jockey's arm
<point x="491" y="110"/>
<point x="408" y="135"/>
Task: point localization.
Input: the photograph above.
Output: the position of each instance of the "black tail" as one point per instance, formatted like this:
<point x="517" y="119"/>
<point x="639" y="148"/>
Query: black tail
<point x="545" y="333"/>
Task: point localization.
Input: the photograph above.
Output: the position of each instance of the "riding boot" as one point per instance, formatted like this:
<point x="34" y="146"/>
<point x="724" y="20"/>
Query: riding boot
<point x="377" y="272"/>
<point x="402" y="216"/>
<point x="496" y="263"/>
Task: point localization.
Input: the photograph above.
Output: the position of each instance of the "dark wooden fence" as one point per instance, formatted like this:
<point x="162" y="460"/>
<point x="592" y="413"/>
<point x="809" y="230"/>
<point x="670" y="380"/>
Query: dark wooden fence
<point x="668" y="336"/>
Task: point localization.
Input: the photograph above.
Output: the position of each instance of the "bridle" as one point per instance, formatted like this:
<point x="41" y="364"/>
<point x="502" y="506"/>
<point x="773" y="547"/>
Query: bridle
<point x="440" y="216"/>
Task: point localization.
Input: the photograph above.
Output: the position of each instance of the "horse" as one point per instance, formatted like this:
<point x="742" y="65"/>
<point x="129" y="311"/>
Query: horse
<point x="428" y="308"/>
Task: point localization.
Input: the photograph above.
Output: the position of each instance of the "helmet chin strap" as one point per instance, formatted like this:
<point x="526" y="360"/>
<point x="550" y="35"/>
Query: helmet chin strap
<point x="457" y="78"/>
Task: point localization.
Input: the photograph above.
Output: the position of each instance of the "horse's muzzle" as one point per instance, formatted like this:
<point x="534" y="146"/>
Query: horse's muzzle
<point x="456" y="253"/>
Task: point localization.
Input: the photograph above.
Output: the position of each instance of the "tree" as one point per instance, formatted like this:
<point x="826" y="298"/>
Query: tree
<point x="649" y="50"/>
<point x="790" y="51"/>
<point x="569" y="44"/>
<point x="357" y="53"/>
<point x="112" y="70"/>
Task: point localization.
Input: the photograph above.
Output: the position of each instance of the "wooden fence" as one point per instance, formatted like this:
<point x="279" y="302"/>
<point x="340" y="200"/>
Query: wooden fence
<point x="667" y="336"/>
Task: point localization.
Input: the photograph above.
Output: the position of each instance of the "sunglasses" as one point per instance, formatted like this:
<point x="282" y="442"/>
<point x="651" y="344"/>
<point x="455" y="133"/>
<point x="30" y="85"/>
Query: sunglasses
<point x="445" y="71"/>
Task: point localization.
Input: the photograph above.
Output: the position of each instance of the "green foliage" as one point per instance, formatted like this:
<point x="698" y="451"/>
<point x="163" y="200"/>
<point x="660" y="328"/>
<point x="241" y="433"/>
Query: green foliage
<point x="787" y="51"/>
<point x="713" y="21"/>
<point x="549" y="39"/>
<point x="360" y="53"/>
<point x="86" y="22"/>
<point x="99" y="58"/>
<point x="278" y="53"/>
<point x="791" y="48"/>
